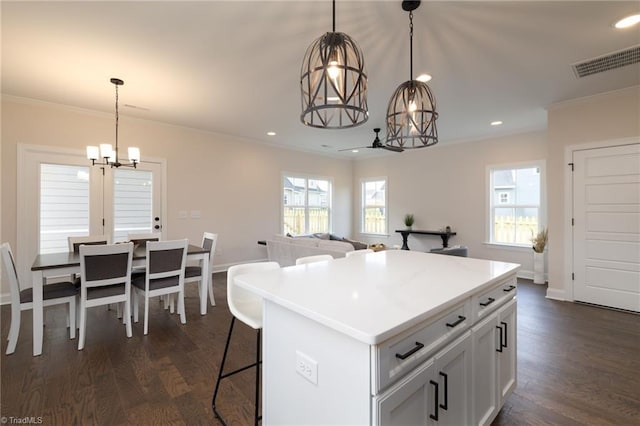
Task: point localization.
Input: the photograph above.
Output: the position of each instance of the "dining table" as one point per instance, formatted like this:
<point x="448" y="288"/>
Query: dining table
<point x="68" y="263"/>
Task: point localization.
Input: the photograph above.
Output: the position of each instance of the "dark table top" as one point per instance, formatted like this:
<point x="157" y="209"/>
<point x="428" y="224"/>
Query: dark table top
<point x="66" y="259"/>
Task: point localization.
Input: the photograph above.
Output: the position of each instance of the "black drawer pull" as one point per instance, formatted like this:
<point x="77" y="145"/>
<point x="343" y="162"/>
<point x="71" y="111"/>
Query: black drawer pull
<point x="445" y="406"/>
<point x="488" y="302"/>
<point x="435" y="406"/>
<point x="508" y="289"/>
<point x="501" y="344"/>
<point x="411" y="352"/>
<point x="458" y="321"/>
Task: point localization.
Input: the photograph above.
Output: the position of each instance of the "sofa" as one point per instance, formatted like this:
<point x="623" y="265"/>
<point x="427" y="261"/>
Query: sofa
<point x="285" y="249"/>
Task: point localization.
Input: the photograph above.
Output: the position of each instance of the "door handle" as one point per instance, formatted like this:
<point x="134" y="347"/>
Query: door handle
<point x="489" y="301"/>
<point x="411" y="352"/>
<point x="505" y="333"/>
<point x="435" y="406"/>
<point x="501" y="344"/>
<point x="456" y="322"/>
<point x="445" y="406"/>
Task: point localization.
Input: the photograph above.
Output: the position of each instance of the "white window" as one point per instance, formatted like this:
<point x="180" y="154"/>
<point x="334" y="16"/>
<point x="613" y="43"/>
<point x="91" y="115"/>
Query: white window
<point x="374" y="206"/>
<point x="516" y="212"/>
<point x="306" y="205"/>
<point x="64" y="205"/>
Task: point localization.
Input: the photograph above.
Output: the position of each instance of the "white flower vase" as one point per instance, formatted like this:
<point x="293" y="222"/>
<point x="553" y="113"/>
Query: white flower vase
<point x="538" y="268"/>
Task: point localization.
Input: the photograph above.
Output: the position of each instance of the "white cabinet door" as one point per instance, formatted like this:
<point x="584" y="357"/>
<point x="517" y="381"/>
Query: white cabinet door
<point x="508" y="348"/>
<point x="410" y="401"/>
<point x="485" y="346"/>
<point x="453" y="375"/>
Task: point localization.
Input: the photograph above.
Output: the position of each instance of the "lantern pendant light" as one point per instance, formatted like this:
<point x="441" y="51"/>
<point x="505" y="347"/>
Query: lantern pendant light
<point x="411" y="114"/>
<point x="333" y="82"/>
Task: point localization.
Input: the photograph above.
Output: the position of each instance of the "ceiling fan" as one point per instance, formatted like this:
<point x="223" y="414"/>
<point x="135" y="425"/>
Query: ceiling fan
<point x="377" y="144"/>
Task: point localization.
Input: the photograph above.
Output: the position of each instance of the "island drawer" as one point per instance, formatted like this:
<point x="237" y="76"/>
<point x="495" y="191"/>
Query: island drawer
<point x="495" y="296"/>
<point x="401" y="354"/>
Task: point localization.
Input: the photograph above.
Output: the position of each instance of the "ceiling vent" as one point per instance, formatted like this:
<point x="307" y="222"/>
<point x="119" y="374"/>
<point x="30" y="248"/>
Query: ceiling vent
<point x="607" y="62"/>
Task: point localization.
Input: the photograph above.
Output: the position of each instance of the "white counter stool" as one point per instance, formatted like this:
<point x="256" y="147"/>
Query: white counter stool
<point x="358" y="252"/>
<point x="313" y="259"/>
<point x="247" y="307"/>
<point x="52" y="294"/>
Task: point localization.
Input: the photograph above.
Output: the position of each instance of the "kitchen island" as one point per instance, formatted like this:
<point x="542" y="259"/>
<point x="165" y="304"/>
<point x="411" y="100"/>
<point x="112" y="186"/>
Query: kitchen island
<point x="393" y="337"/>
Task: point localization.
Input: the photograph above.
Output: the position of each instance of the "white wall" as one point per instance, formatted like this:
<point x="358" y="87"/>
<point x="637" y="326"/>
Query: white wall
<point x="446" y="185"/>
<point x="234" y="183"/>
<point x="596" y="119"/>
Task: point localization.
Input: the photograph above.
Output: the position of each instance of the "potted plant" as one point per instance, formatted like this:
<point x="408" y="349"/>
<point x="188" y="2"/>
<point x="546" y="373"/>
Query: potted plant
<point x="539" y="243"/>
<point x="408" y="220"/>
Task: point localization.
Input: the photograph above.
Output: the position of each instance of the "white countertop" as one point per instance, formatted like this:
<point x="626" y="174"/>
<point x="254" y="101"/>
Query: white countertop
<point x="375" y="296"/>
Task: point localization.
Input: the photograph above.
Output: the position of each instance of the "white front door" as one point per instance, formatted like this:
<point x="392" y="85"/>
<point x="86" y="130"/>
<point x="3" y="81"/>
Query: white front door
<point x="606" y="231"/>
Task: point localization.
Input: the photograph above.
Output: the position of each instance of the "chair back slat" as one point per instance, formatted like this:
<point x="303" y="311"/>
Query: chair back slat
<point x="106" y="266"/>
<point x="76" y="242"/>
<point x="102" y="265"/>
<point x="209" y="242"/>
<point x="165" y="260"/>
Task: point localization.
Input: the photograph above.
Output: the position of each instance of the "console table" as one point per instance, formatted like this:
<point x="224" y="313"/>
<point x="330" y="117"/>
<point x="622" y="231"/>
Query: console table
<point x="405" y="235"/>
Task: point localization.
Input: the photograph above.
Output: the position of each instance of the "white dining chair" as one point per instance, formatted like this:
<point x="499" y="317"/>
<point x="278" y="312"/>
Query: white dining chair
<point x="105" y="276"/>
<point x="246" y="307"/>
<point x="75" y="242"/>
<point x="312" y="259"/>
<point x="194" y="273"/>
<point x="164" y="275"/>
<point x="358" y="252"/>
<point x="22" y="300"/>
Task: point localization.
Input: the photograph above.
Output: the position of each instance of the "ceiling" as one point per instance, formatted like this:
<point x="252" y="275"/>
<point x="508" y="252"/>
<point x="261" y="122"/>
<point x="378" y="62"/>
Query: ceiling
<point x="233" y="67"/>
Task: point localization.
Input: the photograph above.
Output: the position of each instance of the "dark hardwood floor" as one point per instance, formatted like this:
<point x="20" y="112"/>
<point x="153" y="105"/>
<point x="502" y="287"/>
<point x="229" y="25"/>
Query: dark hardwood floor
<point x="577" y="365"/>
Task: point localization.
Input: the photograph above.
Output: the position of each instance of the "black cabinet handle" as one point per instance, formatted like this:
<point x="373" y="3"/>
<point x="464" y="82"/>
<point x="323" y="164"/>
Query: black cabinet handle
<point x="411" y="352"/>
<point x="488" y="302"/>
<point x="445" y="406"/>
<point x="501" y="345"/>
<point x="435" y="406"/>
<point x="505" y="333"/>
<point x="456" y="322"/>
<point x="508" y="289"/>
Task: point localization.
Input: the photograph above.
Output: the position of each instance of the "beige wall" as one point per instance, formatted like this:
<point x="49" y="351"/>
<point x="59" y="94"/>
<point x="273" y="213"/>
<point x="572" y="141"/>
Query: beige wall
<point x="447" y="185"/>
<point x="597" y="119"/>
<point x="234" y="183"/>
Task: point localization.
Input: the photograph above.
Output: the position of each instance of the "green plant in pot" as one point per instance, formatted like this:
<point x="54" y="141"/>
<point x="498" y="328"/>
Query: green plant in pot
<point x="408" y="220"/>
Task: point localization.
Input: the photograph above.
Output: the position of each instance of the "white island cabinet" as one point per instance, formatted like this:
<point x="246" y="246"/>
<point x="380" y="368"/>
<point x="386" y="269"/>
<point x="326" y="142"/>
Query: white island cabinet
<point x="391" y="338"/>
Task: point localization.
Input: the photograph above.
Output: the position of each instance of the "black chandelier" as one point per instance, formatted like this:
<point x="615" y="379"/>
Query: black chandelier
<point x="105" y="152"/>
<point x="333" y="82"/>
<point x="411" y="114"/>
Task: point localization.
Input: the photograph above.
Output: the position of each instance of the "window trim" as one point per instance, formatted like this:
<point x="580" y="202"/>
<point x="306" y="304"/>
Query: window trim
<point x="306" y="206"/>
<point x="363" y="180"/>
<point x="542" y="212"/>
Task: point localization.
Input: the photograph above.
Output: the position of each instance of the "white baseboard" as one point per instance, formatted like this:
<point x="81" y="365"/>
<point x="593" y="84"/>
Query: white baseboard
<point x="556" y="294"/>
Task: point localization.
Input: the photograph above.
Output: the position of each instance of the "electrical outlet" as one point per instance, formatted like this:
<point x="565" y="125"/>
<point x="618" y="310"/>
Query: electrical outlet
<point x="307" y="367"/>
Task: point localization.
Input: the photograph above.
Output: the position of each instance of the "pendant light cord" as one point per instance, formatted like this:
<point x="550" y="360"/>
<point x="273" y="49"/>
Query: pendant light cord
<point x="117" y="116"/>
<point x="334" y="16"/>
<point x="411" y="45"/>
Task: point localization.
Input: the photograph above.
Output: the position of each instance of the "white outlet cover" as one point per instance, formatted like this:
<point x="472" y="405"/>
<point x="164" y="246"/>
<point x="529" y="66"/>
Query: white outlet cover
<point x="307" y="367"/>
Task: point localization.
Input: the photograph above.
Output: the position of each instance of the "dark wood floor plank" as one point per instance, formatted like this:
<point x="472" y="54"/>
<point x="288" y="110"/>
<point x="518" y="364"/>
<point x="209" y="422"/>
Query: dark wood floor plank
<point x="577" y="365"/>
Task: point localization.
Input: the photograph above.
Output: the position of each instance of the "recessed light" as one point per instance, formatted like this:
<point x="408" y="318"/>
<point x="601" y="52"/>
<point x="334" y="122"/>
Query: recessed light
<point x="496" y="123"/>
<point x="423" y="78"/>
<point x="628" y="21"/>
<point x="271" y="133"/>
<point x="355" y="151"/>
<point x="333" y="98"/>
